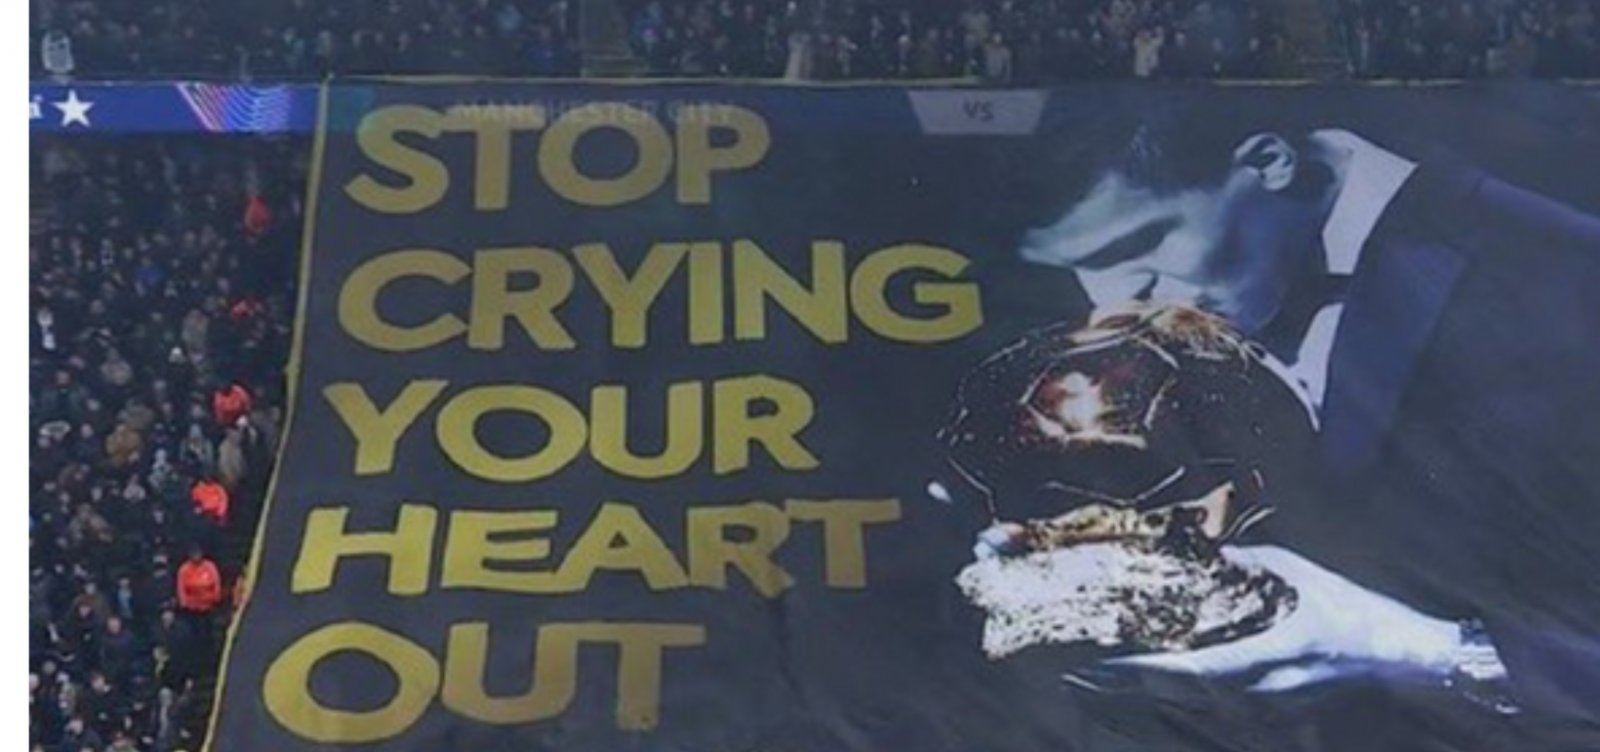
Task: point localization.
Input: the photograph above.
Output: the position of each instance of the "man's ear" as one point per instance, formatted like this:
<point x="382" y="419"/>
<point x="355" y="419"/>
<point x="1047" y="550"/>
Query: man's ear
<point x="1270" y="157"/>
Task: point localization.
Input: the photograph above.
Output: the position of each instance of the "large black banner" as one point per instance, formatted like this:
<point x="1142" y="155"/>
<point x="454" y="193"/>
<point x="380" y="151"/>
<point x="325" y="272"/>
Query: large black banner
<point x="1103" y="418"/>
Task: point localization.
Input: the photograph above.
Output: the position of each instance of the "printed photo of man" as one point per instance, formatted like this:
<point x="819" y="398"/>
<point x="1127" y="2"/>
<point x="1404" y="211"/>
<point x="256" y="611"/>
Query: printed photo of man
<point x="1443" y="326"/>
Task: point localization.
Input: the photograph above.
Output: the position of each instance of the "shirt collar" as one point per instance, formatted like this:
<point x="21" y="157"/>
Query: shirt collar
<point x="1373" y="177"/>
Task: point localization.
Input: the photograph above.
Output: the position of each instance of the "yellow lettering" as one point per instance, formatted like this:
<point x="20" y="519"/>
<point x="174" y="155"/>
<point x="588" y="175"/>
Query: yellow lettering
<point x="698" y="159"/>
<point x="843" y="533"/>
<point x="706" y="317"/>
<point x="358" y="300"/>
<point x="711" y="552"/>
<point x="555" y="671"/>
<point x="639" y="665"/>
<point x="735" y="425"/>
<point x="426" y="178"/>
<point x="409" y="549"/>
<point x="558" y="158"/>
<point x="457" y="432"/>
<point x="630" y="299"/>
<point x="493" y="301"/>
<point x="961" y="311"/>
<point x="377" y="431"/>
<point x="286" y="687"/>
<point x="619" y="539"/>
<point x="477" y="539"/>
<point x="821" y="310"/>
<point x="685" y="432"/>
<point x="641" y="652"/>
<point x="492" y="135"/>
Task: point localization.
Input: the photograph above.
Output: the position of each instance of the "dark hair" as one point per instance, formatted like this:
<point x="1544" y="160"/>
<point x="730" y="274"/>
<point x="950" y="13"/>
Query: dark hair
<point x="1193" y="147"/>
<point x="1166" y="138"/>
<point x="1173" y="150"/>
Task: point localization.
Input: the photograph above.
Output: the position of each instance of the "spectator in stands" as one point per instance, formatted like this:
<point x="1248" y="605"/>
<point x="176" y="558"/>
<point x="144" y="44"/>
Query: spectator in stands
<point x="799" y="63"/>
<point x="997" y="60"/>
<point x="197" y="450"/>
<point x="257" y="215"/>
<point x="57" y="56"/>
<point x="79" y="737"/>
<point x="210" y="500"/>
<point x="199" y="593"/>
<point x="547" y="56"/>
<point x="999" y="41"/>
<point x="1147" y="45"/>
<point x="301" y="39"/>
<point x="159" y="730"/>
<point x="118" y="649"/>
<point x="103" y="707"/>
<point x="151" y="294"/>
<point x="230" y="403"/>
<point x="1470" y="38"/>
<point x="232" y="467"/>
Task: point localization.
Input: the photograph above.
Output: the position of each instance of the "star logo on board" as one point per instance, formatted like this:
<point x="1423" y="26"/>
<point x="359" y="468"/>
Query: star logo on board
<point x="73" y="109"/>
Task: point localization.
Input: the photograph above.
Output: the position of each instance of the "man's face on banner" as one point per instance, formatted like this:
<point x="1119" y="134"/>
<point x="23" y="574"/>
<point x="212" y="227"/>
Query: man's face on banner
<point x="1228" y="246"/>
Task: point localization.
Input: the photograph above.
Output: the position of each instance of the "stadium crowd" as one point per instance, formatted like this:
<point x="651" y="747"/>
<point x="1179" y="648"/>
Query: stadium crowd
<point x="1001" y="41"/>
<point x="1417" y="39"/>
<point x="161" y="284"/>
<point x="303" y="38"/>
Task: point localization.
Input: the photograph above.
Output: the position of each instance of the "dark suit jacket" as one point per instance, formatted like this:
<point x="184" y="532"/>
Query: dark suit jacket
<point x="1461" y="427"/>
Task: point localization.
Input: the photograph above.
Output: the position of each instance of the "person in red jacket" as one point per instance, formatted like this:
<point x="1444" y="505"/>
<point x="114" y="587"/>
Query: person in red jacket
<point x="199" y="592"/>
<point x="199" y="583"/>
<point x="210" y="499"/>
<point x="257" y="215"/>
<point x="229" y="403"/>
<point x="246" y="308"/>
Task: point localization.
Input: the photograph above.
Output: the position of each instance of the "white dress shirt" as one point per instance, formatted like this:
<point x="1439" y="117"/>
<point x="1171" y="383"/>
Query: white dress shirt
<point x="1372" y="178"/>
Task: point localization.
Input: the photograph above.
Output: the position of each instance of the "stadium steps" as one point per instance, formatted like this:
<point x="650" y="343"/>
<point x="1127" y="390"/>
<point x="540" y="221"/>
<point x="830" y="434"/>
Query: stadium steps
<point x="603" y="36"/>
<point x="205" y="693"/>
<point x="232" y="556"/>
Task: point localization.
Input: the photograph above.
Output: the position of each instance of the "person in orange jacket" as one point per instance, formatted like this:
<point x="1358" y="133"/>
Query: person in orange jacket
<point x="199" y="593"/>
<point x="199" y="584"/>
<point x="257" y="215"/>
<point x="230" y="402"/>
<point x="210" y="499"/>
<point x="245" y="309"/>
